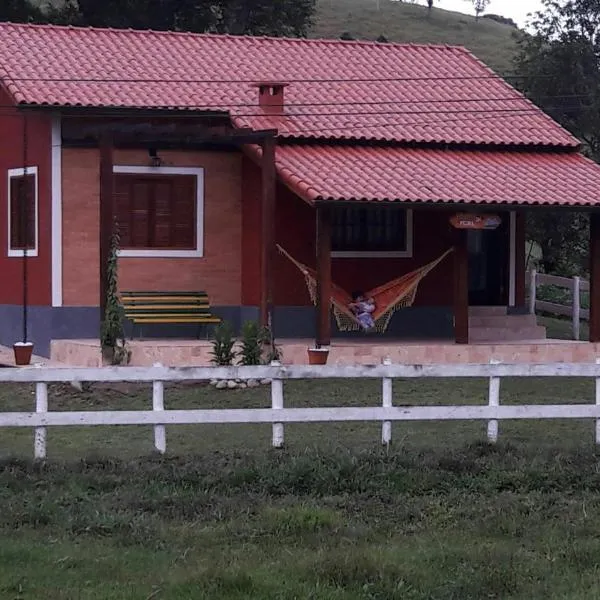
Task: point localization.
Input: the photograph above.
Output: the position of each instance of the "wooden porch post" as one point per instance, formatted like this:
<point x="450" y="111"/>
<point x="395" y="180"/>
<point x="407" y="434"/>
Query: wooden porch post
<point x="106" y="214"/>
<point x="461" y="288"/>
<point x="268" y="231"/>
<point x="520" y="258"/>
<point x="595" y="277"/>
<point x="323" y="277"/>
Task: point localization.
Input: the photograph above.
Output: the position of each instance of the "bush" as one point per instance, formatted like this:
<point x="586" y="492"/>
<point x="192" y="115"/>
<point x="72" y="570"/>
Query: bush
<point x="222" y="345"/>
<point x="253" y="339"/>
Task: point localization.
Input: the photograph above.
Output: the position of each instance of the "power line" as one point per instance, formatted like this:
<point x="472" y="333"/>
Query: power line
<point x="354" y="126"/>
<point x="265" y="80"/>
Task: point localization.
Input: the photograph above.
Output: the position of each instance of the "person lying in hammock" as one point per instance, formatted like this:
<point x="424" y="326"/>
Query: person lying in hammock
<point x="363" y="308"/>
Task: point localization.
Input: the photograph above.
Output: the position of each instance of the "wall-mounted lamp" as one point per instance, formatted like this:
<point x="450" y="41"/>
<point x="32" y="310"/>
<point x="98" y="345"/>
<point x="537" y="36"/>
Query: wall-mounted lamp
<point x="155" y="159"/>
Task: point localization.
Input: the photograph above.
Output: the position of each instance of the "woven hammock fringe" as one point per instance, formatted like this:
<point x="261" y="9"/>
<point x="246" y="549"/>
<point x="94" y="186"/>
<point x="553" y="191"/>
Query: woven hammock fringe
<point x="346" y="323"/>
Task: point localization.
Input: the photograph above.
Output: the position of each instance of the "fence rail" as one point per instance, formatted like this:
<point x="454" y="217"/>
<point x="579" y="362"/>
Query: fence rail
<point x="277" y="414"/>
<point x="574" y="310"/>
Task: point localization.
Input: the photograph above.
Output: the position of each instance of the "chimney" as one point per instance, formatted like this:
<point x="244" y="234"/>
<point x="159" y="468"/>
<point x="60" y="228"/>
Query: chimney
<point x="271" y="96"/>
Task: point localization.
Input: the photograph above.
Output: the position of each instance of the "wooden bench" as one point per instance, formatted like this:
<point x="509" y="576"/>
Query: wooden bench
<point x="146" y="308"/>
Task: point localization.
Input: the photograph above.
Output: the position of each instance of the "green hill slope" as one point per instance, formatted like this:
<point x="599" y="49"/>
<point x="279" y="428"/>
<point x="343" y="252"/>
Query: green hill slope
<point x="492" y="42"/>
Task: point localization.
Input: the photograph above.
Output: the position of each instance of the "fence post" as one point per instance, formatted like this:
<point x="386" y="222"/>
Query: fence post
<point x="386" y="428"/>
<point x="532" y="291"/>
<point x="493" y="400"/>
<point x="277" y="404"/>
<point x="576" y="307"/>
<point x="598" y="404"/>
<point x="158" y="405"/>
<point x="41" y="406"/>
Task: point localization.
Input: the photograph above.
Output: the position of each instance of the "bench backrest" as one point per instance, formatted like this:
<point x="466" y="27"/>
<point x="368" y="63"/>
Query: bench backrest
<point x="165" y="300"/>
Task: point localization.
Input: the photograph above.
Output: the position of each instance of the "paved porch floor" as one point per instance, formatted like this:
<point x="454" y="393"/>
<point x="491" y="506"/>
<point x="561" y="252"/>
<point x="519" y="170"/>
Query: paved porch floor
<point x="368" y="351"/>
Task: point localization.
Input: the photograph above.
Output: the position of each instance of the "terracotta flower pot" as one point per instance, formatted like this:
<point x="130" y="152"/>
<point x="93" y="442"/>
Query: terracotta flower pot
<point x="318" y="356"/>
<point x="23" y="352"/>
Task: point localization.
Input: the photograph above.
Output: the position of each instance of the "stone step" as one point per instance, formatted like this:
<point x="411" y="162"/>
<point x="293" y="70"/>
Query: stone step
<point x="495" y="334"/>
<point x="503" y="321"/>
<point x="487" y="311"/>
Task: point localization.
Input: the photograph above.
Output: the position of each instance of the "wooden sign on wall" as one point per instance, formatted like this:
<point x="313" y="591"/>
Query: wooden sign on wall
<point x="475" y="221"/>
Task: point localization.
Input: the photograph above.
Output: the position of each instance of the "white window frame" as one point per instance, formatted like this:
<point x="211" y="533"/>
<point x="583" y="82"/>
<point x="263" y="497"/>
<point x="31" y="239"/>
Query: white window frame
<point x="408" y="253"/>
<point x="198" y="172"/>
<point x="12" y="174"/>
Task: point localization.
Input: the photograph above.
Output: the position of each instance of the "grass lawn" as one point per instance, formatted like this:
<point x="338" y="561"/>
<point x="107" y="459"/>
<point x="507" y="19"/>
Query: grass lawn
<point x="492" y="42"/>
<point x="440" y="515"/>
<point x="562" y="328"/>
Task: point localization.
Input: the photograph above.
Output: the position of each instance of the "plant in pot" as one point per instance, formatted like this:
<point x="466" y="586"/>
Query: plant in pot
<point x="318" y="355"/>
<point x="112" y="334"/>
<point x="23" y="350"/>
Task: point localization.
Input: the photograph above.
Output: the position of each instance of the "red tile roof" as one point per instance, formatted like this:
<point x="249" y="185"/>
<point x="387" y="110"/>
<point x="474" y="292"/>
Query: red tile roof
<point x="352" y="90"/>
<point x="439" y="176"/>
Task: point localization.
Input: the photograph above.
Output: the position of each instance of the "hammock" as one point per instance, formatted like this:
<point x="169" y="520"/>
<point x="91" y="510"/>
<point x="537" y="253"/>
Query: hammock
<point x="389" y="297"/>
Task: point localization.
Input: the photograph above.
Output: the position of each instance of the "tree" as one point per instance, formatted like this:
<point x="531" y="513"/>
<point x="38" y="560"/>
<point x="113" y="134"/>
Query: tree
<point x="479" y="6"/>
<point x="21" y="11"/>
<point x="558" y="69"/>
<point x="429" y="6"/>
<point x="251" y="17"/>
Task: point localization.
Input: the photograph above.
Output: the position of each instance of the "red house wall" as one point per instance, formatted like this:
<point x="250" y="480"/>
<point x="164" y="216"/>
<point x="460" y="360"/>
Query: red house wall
<point x="295" y="231"/>
<point x="12" y="155"/>
<point x="218" y="272"/>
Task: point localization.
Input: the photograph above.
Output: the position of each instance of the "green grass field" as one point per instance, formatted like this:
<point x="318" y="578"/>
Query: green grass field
<point x="440" y="515"/>
<point x="492" y="42"/>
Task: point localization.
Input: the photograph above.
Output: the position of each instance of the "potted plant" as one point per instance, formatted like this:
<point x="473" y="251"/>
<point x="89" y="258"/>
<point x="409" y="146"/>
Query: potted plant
<point x="318" y="355"/>
<point x="23" y="352"/>
<point x="112" y="336"/>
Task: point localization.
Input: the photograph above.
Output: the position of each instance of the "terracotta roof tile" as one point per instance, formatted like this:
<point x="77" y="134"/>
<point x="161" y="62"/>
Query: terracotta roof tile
<point x="439" y="176"/>
<point x="357" y="90"/>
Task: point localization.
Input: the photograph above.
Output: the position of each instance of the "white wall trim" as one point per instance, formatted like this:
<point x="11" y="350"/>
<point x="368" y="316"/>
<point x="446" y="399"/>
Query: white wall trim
<point x="57" y="212"/>
<point x="512" y="268"/>
<point x="408" y="253"/>
<point x="198" y="172"/>
<point x="15" y="253"/>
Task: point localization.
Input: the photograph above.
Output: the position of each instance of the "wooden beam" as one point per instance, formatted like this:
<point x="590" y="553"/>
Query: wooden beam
<point x="106" y="215"/>
<point x="323" y="277"/>
<point x="520" y="258"/>
<point x="461" y="288"/>
<point x="267" y="231"/>
<point x="595" y="277"/>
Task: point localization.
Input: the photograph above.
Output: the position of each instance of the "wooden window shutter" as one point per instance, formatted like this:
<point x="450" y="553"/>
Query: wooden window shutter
<point x="184" y="212"/>
<point x="155" y="211"/>
<point x="140" y="234"/>
<point x="22" y="212"/>
<point x="162" y="234"/>
<point x="122" y="208"/>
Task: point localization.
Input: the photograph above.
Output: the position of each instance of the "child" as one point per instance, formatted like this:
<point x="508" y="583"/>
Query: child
<point x="363" y="308"/>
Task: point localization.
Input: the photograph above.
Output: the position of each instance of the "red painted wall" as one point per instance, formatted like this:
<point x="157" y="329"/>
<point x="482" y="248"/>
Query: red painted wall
<point x="295" y="231"/>
<point x="39" y="145"/>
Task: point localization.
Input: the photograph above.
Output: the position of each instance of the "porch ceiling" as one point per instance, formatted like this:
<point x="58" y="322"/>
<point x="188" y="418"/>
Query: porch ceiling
<point x="353" y="173"/>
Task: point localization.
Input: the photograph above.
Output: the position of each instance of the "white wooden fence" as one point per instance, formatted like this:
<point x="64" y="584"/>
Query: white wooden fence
<point x="277" y="415"/>
<point x="575" y="284"/>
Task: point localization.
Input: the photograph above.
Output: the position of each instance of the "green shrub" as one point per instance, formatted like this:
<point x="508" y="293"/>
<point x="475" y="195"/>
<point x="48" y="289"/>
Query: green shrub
<point x="251" y="350"/>
<point x="223" y="353"/>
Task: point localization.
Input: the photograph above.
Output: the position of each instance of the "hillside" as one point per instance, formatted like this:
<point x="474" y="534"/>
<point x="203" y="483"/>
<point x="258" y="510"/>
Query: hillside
<point x="492" y="42"/>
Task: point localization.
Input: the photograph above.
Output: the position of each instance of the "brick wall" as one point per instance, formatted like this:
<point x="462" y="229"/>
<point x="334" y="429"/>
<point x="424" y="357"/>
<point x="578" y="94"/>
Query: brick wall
<point x="218" y="272"/>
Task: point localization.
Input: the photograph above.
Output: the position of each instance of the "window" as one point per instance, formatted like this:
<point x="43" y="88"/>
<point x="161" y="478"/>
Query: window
<point x="368" y="230"/>
<point x="22" y="212"/>
<point x="159" y="211"/>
